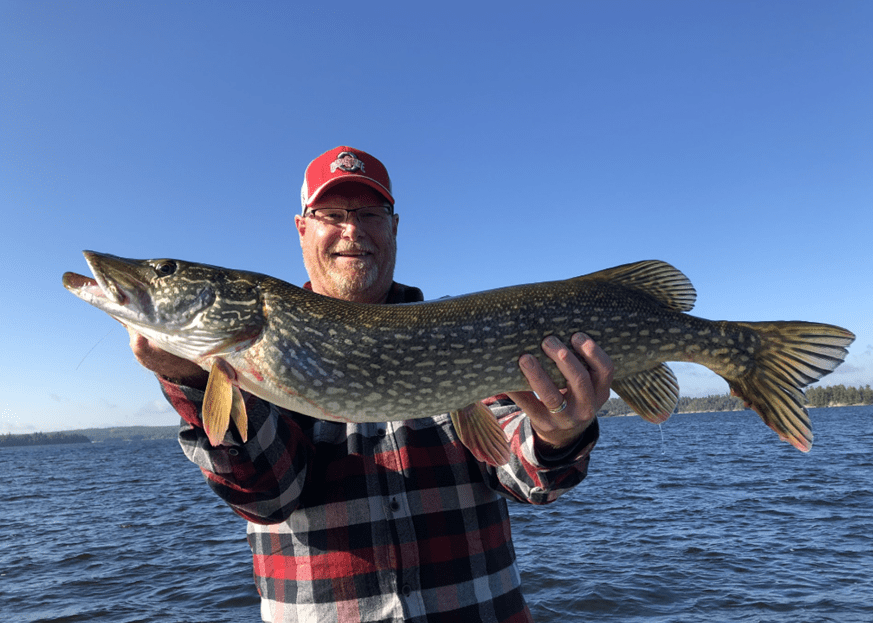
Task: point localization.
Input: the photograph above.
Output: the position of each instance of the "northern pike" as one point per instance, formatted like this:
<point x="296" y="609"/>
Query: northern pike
<point x="350" y="362"/>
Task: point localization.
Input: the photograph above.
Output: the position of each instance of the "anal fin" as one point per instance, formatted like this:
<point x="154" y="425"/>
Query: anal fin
<point x="479" y="430"/>
<point x="652" y="394"/>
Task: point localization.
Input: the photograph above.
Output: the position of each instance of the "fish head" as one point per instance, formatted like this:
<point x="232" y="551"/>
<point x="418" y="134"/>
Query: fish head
<point x="191" y="310"/>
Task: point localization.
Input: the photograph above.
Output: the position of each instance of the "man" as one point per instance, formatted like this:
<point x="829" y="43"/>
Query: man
<point x="388" y="521"/>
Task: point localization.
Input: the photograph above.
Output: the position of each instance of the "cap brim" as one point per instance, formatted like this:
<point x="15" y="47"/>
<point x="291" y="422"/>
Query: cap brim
<point x="361" y="179"/>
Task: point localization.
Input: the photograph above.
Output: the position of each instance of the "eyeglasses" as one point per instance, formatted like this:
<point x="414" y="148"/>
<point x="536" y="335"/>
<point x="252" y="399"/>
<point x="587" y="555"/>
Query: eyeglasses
<point x="368" y="216"/>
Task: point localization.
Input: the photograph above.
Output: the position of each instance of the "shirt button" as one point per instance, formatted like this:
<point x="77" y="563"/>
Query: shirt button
<point x="380" y="432"/>
<point x="407" y="590"/>
<point x="233" y="452"/>
<point x="394" y="505"/>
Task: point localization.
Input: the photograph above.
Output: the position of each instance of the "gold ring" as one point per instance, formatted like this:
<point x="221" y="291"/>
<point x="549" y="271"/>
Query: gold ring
<point x="560" y="407"/>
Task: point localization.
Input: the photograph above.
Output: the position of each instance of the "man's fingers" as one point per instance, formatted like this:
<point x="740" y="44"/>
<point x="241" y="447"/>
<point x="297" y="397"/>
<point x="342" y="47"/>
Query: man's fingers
<point x="560" y="416"/>
<point x="548" y="393"/>
<point x="165" y="364"/>
<point x="526" y="401"/>
<point x="588" y="372"/>
<point x="600" y="367"/>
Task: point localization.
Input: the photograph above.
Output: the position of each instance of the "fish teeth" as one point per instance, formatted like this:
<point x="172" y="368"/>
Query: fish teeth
<point x="111" y="290"/>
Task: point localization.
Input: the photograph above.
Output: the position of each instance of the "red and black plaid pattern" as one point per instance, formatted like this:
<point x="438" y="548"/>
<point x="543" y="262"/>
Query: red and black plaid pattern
<point x="391" y="521"/>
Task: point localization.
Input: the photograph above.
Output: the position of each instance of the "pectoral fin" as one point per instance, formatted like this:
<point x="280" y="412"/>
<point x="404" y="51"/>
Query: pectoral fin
<point x="223" y="401"/>
<point x="479" y="430"/>
<point x="239" y="415"/>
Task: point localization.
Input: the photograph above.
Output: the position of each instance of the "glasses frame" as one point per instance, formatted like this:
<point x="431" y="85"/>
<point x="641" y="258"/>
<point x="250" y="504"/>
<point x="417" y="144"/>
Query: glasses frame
<point x="313" y="212"/>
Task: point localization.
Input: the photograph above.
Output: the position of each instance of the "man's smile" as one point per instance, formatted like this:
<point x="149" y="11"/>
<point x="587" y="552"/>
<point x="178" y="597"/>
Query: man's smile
<point x="352" y="252"/>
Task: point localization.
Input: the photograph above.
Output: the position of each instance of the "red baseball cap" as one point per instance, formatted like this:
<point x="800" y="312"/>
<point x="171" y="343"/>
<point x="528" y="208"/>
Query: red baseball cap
<point x="343" y="164"/>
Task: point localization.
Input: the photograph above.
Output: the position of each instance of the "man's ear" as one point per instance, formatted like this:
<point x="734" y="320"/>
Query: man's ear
<point x="300" y="224"/>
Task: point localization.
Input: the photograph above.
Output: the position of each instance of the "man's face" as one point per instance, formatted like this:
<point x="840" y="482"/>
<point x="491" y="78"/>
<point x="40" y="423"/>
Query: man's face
<point x="354" y="260"/>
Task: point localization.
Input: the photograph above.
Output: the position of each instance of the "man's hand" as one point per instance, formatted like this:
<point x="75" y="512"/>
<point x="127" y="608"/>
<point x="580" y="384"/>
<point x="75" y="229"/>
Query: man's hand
<point x="588" y="376"/>
<point x="166" y="364"/>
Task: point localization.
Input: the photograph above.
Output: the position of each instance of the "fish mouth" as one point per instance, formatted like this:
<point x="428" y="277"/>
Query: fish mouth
<point x="115" y="282"/>
<point x="95" y="289"/>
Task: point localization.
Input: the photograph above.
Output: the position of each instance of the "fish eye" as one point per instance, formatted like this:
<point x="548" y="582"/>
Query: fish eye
<point x="165" y="268"/>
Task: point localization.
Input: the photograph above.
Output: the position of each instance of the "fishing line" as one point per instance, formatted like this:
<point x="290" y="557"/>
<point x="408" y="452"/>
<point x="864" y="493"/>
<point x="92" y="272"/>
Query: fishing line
<point x="95" y="346"/>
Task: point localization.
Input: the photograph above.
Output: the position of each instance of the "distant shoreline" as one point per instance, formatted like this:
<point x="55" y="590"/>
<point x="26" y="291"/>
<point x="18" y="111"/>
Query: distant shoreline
<point x="143" y="433"/>
<point x="90" y="435"/>
<point x="41" y="439"/>
<point x="701" y="412"/>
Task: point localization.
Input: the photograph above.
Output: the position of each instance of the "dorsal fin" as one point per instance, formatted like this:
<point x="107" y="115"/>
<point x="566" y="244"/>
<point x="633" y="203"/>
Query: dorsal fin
<point x="658" y="279"/>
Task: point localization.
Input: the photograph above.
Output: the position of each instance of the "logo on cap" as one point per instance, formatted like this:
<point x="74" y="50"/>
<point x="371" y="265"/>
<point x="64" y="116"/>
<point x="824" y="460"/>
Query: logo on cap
<point x="348" y="162"/>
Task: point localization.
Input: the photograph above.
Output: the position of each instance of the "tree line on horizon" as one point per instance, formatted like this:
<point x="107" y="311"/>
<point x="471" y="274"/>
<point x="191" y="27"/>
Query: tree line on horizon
<point x="830" y="396"/>
<point x="703" y="404"/>
<point x="834" y="395"/>
<point x="41" y="439"/>
<point x="90" y="435"/>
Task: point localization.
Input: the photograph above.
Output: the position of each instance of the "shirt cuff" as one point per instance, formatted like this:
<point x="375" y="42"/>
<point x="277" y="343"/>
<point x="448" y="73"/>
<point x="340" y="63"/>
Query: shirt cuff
<point x="572" y="453"/>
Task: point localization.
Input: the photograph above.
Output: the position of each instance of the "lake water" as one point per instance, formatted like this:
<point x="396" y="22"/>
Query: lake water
<point x="705" y="518"/>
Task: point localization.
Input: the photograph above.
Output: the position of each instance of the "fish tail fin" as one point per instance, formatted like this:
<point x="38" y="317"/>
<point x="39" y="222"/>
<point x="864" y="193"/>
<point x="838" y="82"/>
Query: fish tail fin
<point x="223" y="402"/>
<point x="791" y="356"/>
<point x="479" y="430"/>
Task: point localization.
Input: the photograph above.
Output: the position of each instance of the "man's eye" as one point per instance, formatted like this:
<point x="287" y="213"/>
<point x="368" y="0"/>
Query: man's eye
<point x="332" y="215"/>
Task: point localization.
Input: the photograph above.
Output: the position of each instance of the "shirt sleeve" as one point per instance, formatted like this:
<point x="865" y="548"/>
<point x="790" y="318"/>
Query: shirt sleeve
<point x="530" y="477"/>
<point x="261" y="479"/>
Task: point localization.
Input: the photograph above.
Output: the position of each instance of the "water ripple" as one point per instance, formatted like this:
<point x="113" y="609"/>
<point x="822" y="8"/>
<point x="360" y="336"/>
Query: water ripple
<point x="708" y="518"/>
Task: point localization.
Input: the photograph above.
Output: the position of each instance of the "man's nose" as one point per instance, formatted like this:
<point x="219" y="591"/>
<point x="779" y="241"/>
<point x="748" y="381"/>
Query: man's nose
<point x="352" y="226"/>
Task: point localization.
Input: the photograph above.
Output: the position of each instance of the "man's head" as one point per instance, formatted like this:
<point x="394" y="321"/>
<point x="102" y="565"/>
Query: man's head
<point x="348" y="229"/>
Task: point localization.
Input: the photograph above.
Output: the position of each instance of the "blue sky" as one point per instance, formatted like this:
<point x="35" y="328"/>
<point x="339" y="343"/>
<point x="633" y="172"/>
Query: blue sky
<point x="732" y="139"/>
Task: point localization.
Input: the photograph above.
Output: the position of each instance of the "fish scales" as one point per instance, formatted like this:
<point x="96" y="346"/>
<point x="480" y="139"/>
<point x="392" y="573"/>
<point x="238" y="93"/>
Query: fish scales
<point x="440" y="356"/>
<point x="451" y="353"/>
<point x="345" y="361"/>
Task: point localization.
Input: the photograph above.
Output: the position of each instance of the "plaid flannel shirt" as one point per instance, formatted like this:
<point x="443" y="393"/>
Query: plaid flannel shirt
<point x="387" y="521"/>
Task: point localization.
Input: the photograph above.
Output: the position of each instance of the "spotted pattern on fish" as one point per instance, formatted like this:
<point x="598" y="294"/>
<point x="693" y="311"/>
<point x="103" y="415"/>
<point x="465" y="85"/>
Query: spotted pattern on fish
<point x="344" y="361"/>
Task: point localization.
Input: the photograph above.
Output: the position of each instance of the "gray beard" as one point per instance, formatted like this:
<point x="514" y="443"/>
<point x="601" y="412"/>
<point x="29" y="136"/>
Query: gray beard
<point x="359" y="282"/>
<point x="349" y="287"/>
